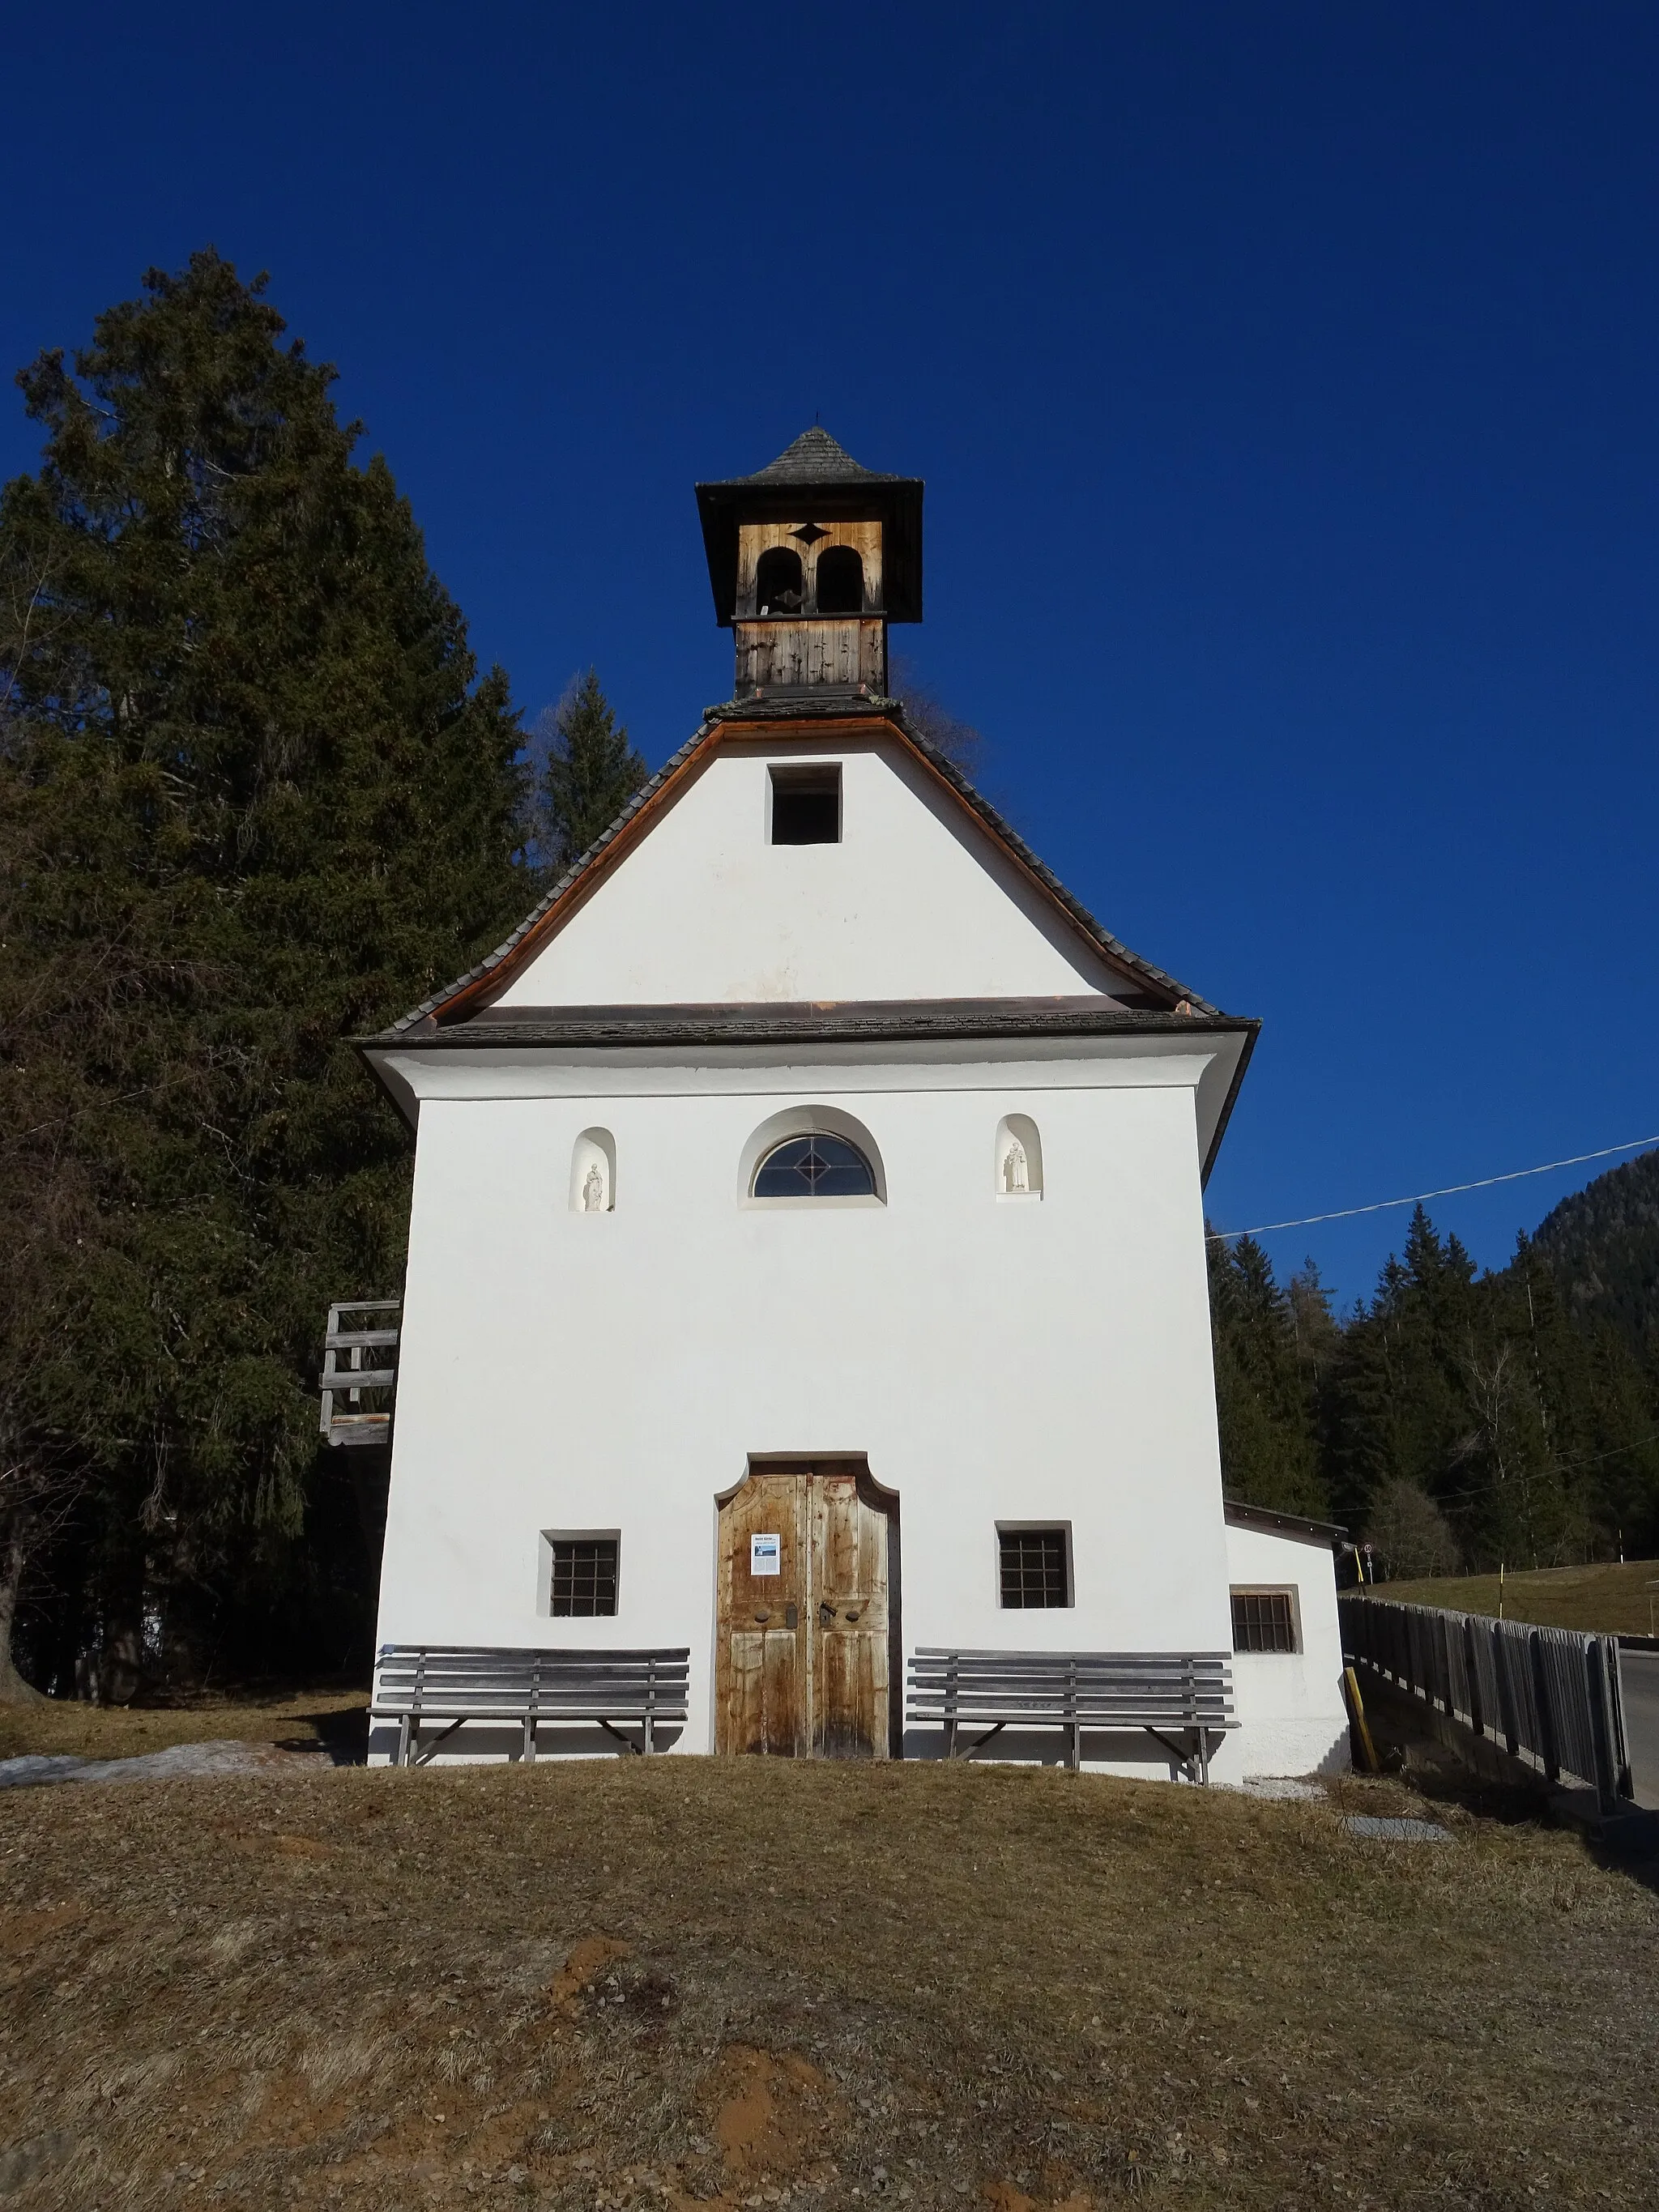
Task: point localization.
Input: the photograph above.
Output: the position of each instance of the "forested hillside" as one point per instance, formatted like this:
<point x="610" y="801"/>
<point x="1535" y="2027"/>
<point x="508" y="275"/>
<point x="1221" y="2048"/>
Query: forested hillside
<point x="1602" y="1246"/>
<point x="1459" y="1420"/>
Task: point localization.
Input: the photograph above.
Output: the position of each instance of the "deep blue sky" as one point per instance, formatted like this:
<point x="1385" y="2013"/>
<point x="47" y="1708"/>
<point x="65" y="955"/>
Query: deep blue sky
<point x="1284" y="377"/>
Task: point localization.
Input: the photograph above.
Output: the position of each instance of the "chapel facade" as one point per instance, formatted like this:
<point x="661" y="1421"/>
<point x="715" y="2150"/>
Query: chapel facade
<point x="806" y="1266"/>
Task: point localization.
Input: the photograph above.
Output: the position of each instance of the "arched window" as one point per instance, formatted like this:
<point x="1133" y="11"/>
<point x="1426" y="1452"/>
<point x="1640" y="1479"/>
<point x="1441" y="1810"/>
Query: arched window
<point x="780" y="585"/>
<point x="841" y="581"/>
<point x="818" y="1166"/>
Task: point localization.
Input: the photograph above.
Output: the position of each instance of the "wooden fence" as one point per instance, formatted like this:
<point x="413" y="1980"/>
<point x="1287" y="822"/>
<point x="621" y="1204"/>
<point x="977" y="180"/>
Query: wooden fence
<point x="1548" y="1696"/>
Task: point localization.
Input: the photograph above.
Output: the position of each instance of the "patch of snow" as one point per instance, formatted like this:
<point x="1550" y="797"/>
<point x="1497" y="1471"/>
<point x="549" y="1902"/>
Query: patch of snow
<point x="218" y="1756"/>
<point x="1277" y="1785"/>
<point x="1378" y="1829"/>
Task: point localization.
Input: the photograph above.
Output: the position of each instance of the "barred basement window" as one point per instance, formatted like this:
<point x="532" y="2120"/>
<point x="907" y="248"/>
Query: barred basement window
<point x="584" y="1578"/>
<point x="1033" y="1565"/>
<point x="1264" y="1620"/>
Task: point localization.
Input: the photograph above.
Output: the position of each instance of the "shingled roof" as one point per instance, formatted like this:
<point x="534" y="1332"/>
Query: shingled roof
<point x="814" y="459"/>
<point x="462" y="999"/>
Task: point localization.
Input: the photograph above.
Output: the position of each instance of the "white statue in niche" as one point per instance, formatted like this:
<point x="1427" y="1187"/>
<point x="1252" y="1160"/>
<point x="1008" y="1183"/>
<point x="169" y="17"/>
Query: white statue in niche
<point x="593" y="1191"/>
<point x="1016" y="1175"/>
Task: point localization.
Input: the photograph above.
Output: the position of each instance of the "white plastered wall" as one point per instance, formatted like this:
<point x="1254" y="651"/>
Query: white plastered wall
<point x="915" y="902"/>
<point x="1290" y="1704"/>
<point x="1047" y="1361"/>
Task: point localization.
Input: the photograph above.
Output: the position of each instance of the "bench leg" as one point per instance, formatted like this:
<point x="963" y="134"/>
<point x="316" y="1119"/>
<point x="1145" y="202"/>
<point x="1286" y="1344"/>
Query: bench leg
<point x="402" y="1759"/>
<point x="530" y="1739"/>
<point x="431" y="1750"/>
<point x="1075" y="1748"/>
<point x="650" y="1742"/>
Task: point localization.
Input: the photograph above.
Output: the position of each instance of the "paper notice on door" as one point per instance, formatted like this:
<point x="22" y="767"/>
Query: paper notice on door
<point x="764" y="1555"/>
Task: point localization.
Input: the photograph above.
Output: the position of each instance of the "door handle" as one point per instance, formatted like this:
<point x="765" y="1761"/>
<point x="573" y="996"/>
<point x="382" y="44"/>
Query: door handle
<point x="792" y="1616"/>
<point x="826" y="1616"/>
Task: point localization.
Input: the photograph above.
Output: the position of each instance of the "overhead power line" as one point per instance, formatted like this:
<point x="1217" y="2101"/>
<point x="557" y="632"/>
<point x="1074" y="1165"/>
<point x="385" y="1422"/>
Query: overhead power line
<point x="1448" y="1190"/>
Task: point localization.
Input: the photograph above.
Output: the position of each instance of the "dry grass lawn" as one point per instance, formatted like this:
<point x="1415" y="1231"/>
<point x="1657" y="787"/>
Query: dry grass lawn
<point x="688" y="1981"/>
<point x="302" y="1719"/>
<point x="1618" y="1599"/>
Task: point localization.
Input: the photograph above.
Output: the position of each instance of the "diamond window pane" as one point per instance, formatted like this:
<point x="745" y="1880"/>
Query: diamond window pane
<point x="815" y="1167"/>
<point x="1033" y="1567"/>
<point x="584" y="1578"/>
<point x="1263" y="1620"/>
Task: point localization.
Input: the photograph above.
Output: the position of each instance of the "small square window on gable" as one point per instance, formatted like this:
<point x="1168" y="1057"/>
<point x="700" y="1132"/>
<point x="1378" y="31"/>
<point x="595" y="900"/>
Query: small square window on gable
<point x="805" y="803"/>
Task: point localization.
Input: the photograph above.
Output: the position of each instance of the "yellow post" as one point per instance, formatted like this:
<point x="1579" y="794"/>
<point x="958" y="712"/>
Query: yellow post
<point x="1357" y="1707"/>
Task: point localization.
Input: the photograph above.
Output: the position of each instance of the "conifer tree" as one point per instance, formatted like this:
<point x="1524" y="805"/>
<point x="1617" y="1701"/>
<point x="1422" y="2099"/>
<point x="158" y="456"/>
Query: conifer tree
<point x="1264" y="1403"/>
<point x="591" y="773"/>
<point x="253" y="799"/>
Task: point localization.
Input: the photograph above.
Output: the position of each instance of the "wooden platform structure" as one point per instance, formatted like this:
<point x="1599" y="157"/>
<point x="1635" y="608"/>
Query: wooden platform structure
<point x="359" y="1370"/>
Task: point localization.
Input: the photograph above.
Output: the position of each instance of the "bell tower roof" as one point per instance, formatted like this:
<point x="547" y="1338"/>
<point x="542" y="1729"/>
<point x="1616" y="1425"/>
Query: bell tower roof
<point x="817" y="480"/>
<point x="815" y="459"/>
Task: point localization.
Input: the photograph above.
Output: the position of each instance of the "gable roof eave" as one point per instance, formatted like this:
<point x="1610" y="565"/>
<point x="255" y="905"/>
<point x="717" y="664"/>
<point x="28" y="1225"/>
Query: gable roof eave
<point x="589" y="869"/>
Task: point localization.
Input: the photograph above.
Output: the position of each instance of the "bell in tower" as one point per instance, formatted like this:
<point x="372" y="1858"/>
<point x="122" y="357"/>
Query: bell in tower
<point x="811" y="560"/>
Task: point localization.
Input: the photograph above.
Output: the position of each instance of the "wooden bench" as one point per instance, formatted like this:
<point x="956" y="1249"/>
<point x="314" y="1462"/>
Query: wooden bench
<point x="416" y="1683"/>
<point x="1169" y="1694"/>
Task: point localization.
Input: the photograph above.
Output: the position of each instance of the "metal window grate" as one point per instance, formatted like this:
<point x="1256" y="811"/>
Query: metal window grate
<point x="1263" y="1620"/>
<point x="1033" y="1566"/>
<point x="584" y="1578"/>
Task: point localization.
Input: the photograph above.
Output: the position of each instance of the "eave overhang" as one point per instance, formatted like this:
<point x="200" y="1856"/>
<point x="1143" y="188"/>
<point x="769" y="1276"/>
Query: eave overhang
<point x="893" y="502"/>
<point x="808" y="1032"/>
<point x="1272" y="1522"/>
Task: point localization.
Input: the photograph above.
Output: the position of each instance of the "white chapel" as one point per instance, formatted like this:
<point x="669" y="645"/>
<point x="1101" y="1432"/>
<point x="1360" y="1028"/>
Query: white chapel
<point x="806" y="1302"/>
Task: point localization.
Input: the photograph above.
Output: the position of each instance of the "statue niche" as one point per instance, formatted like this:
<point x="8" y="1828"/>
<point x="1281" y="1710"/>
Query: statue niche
<point x="1018" y="1158"/>
<point x="594" y="1173"/>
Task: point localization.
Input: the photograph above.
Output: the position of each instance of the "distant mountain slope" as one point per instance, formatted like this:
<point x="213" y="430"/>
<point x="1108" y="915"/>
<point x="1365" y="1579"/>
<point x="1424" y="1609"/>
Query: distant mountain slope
<point x="1602" y="1246"/>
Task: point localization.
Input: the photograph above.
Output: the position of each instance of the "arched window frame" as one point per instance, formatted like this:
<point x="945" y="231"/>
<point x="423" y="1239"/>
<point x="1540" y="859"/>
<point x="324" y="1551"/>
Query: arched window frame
<point x="836" y="557"/>
<point x="774" y="558"/>
<point x="809" y="1121"/>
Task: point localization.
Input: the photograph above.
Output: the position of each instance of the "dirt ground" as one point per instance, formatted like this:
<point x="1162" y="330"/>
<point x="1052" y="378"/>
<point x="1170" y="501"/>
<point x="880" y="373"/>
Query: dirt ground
<point x="665" y="1983"/>
<point x="1619" y="1598"/>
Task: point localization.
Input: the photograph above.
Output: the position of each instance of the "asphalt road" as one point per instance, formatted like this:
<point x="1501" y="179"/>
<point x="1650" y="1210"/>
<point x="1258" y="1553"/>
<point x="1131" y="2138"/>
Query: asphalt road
<point x="1638" y="1680"/>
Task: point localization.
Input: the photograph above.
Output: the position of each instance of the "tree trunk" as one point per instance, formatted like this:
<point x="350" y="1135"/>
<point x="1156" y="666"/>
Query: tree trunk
<point x="14" y="1690"/>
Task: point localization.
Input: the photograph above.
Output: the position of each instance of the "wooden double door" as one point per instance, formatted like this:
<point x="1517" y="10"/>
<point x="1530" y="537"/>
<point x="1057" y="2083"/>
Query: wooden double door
<point x="807" y="1569"/>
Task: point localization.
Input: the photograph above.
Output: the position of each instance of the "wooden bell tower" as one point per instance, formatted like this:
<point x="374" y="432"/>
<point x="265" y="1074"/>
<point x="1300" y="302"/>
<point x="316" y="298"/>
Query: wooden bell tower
<point x="810" y="560"/>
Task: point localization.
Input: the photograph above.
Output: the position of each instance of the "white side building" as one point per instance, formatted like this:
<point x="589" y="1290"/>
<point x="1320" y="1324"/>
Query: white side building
<point x="810" y="1172"/>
